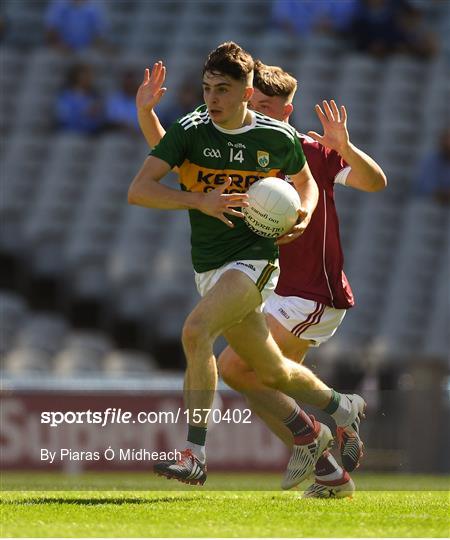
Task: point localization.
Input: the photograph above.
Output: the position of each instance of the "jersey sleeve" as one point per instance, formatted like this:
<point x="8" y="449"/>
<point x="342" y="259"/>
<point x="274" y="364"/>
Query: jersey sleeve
<point x="172" y="148"/>
<point x="295" y="159"/>
<point x="335" y="164"/>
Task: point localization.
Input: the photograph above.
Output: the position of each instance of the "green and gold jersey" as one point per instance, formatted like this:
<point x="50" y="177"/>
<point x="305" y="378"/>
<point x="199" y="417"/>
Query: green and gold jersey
<point x="206" y="156"/>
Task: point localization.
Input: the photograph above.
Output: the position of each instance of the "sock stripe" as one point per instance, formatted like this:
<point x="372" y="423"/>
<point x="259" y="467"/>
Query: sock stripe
<point x="334" y="402"/>
<point x="300" y="424"/>
<point x="289" y="419"/>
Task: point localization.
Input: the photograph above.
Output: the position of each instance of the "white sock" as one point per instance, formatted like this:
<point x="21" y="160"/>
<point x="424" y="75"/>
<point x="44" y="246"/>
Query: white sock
<point x="343" y="415"/>
<point x="198" y="450"/>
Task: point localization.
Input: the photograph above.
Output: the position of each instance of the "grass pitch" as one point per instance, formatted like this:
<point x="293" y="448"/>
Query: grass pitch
<point x="195" y="512"/>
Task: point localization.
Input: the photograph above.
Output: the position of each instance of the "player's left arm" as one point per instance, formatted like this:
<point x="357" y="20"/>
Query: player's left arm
<point x="308" y="191"/>
<point x="365" y="173"/>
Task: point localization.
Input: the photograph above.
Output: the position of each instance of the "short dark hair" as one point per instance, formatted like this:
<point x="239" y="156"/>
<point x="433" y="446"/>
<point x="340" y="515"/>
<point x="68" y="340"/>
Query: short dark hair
<point x="273" y="81"/>
<point x="229" y="59"/>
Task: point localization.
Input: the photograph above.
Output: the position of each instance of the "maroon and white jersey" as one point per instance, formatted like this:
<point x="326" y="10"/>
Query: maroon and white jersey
<point x="312" y="265"/>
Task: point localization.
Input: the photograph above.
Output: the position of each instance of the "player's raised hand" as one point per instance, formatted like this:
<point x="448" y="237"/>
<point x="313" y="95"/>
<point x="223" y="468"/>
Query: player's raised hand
<point x="216" y="203"/>
<point x="151" y="89"/>
<point x="304" y="217"/>
<point x="334" y="122"/>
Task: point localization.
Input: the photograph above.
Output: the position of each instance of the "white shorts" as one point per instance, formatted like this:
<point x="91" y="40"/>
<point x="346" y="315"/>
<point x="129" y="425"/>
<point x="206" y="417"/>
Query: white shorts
<point x="263" y="273"/>
<point x="306" y="319"/>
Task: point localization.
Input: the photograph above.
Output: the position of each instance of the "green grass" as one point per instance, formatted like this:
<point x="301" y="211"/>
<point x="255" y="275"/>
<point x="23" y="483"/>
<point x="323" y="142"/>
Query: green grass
<point x="191" y="512"/>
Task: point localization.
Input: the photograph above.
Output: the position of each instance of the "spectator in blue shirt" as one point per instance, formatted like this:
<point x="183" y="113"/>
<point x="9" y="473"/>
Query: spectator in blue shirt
<point x="75" y="24"/>
<point x="121" y="105"/>
<point x="433" y="178"/>
<point x="303" y="17"/>
<point x="79" y="107"/>
<point x="384" y="27"/>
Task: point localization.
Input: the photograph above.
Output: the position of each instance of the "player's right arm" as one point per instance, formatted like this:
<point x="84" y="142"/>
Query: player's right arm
<point x="145" y="190"/>
<point x="148" y="96"/>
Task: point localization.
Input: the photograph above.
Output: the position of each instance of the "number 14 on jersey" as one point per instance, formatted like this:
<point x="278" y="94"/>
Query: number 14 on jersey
<point x="236" y="155"/>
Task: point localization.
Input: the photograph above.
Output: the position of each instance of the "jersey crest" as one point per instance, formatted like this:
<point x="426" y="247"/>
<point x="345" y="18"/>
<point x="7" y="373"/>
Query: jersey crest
<point x="263" y="158"/>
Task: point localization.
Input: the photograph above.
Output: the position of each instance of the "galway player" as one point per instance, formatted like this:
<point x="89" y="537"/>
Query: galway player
<point x="313" y="293"/>
<point x="231" y="300"/>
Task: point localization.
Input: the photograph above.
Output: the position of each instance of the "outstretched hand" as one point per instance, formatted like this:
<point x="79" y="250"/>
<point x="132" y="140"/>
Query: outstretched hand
<point x="216" y="203"/>
<point x="334" y="122"/>
<point x="151" y="89"/>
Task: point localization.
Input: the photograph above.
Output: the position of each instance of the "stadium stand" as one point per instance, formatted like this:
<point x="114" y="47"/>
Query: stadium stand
<point x="42" y="343"/>
<point x="128" y="362"/>
<point x="13" y="311"/>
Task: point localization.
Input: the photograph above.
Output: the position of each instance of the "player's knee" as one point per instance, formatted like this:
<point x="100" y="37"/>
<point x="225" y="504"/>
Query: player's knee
<point x="275" y="377"/>
<point x="194" y="331"/>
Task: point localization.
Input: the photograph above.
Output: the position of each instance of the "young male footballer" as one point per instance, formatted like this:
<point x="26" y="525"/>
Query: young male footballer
<point x="216" y="148"/>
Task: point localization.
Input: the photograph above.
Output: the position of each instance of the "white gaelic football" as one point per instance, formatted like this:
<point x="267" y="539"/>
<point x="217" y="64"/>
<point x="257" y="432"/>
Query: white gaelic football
<point x="272" y="209"/>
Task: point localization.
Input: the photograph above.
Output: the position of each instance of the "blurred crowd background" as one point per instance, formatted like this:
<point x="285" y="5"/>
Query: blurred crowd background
<point x="91" y="286"/>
